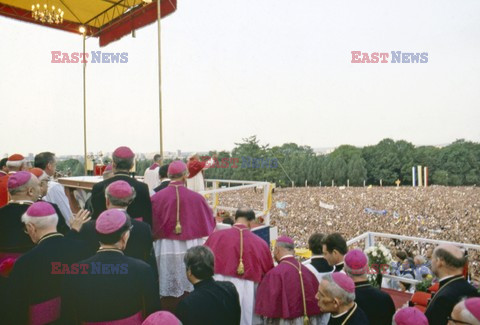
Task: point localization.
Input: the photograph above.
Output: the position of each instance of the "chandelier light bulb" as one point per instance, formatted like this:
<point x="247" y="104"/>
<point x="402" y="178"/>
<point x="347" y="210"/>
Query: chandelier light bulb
<point x="46" y="15"/>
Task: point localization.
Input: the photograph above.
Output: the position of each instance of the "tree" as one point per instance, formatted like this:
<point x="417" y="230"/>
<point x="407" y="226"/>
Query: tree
<point x="339" y="170"/>
<point x="357" y="172"/>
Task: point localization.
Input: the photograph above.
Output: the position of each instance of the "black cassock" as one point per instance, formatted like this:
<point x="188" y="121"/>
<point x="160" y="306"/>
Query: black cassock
<point x="33" y="281"/>
<point x="139" y="244"/>
<point x="13" y="238"/>
<point x="116" y="287"/>
<point x="376" y="304"/>
<point x="141" y="207"/>
<point x="354" y="316"/>
<point x="450" y="292"/>
<point x="211" y="302"/>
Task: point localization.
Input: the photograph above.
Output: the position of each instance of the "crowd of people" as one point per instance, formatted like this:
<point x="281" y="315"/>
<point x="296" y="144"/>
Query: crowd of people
<point x="154" y="254"/>
<point x="435" y="212"/>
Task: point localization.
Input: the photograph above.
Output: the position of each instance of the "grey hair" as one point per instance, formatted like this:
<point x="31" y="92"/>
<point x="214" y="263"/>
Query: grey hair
<point x="41" y="222"/>
<point x="336" y="291"/>
<point x="350" y="273"/>
<point x="421" y="259"/>
<point x="120" y="202"/>
<point x="287" y="246"/>
<point x="23" y="187"/>
<point x="466" y="315"/>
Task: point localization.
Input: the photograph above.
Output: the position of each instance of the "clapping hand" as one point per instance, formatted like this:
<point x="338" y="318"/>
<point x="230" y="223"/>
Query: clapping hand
<point x="81" y="217"/>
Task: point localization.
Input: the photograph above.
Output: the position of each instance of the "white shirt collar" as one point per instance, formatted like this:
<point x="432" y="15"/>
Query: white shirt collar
<point x="447" y="277"/>
<point x="286" y="256"/>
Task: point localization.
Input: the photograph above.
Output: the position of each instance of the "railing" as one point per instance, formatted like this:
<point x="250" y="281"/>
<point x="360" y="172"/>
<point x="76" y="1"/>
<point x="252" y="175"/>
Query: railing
<point x="266" y="186"/>
<point x="369" y="238"/>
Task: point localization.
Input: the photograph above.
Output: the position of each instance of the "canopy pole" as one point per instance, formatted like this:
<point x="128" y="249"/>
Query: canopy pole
<point x="159" y="17"/>
<point x="84" y="103"/>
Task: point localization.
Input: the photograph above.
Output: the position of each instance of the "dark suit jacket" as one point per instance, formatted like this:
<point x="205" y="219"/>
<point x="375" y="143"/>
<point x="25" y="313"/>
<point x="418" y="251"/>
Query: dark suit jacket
<point x="141" y="207"/>
<point x="211" y="303"/>
<point x="447" y="296"/>
<point x="376" y="304"/>
<point x="162" y="185"/>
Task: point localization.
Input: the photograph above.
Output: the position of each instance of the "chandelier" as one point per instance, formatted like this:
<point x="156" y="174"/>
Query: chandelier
<point x="47" y="15"/>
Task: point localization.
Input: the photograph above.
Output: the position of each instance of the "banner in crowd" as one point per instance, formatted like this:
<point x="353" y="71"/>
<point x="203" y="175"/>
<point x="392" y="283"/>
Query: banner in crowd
<point x="377" y="212"/>
<point x="281" y="205"/>
<point x="327" y="206"/>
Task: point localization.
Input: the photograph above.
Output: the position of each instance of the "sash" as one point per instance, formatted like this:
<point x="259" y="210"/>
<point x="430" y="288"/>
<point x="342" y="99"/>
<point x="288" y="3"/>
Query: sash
<point x="7" y="261"/>
<point x="45" y="312"/>
<point x="135" y="319"/>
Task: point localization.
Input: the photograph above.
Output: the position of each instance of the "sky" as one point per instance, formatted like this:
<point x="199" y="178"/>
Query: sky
<point x="277" y="69"/>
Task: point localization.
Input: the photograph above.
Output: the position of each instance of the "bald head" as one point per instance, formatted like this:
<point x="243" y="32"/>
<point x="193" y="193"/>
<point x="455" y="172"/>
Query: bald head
<point x="448" y="260"/>
<point x="451" y="249"/>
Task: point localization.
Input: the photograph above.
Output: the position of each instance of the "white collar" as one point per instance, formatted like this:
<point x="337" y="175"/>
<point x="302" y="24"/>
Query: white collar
<point x="286" y="256"/>
<point x="340" y="315"/>
<point x="316" y="256"/>
<point x="21" y="201"/>
<point x="447" y="277"/>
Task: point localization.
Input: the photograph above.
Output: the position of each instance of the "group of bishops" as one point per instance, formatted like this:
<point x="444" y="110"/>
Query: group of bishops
<point x="141" y="250"/>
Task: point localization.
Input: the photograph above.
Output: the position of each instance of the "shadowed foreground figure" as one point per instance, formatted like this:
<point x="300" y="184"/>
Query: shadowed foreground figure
<point x="447" y="265"/>
<point x="466" y="311"/>
<point x="34" y="295"/>
<point x="114" y="286"/>
<point x="211" y="302"/>
<point x="377" y="305"/>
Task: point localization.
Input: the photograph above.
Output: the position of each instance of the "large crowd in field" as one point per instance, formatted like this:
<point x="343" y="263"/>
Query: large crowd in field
<point x="435" y="212"/>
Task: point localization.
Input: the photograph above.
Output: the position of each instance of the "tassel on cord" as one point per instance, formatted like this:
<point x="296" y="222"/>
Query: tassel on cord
<point x="305" y="320"/>
<point x="240" y="268"/>
<point x="178" y="226"/>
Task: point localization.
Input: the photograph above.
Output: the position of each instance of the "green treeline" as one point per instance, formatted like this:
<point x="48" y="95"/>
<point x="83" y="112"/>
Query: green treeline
<point x="456" y="164"/>
<point x="389" y="160"/>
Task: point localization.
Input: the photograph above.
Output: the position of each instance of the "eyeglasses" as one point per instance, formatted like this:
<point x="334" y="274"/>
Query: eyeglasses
<point x="454" y="321"/>
<point x="131" y="227"/>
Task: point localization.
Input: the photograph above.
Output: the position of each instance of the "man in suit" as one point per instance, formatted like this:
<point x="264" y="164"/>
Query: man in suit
<point x="334" y="249"/>
<point x="164" y="180"/>
<point x="317" y="264"/>
<point x="377" y="305"/>
<point x="211" y="302"/>
<point x="447" y="265"/>
<point x="141" y="207"/>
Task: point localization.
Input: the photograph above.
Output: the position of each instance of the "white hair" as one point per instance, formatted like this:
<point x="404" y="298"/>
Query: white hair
<point x="41" y="222"/>
<point x="336" y="291"/>
<point x="466" y="316"/>
<point x="23" y="187"/>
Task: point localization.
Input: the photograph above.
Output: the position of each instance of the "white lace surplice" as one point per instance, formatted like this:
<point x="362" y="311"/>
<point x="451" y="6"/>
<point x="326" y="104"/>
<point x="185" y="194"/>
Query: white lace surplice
<point x="169" y="254"/>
